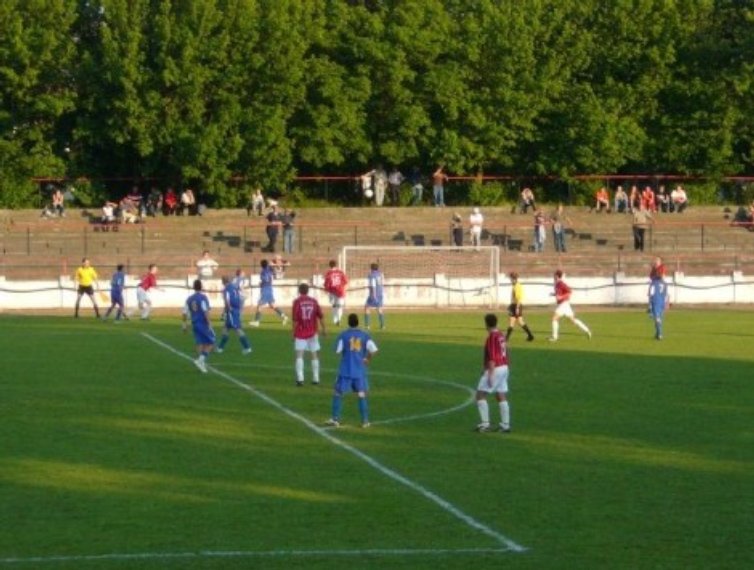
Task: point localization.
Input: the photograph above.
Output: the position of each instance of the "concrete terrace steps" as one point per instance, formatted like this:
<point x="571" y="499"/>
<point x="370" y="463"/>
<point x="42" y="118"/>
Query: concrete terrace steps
<point x="321" y="233"/>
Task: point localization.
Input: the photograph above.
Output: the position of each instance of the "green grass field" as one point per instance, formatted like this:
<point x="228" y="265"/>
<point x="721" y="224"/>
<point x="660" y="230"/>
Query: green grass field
<point x="626" y="452"/>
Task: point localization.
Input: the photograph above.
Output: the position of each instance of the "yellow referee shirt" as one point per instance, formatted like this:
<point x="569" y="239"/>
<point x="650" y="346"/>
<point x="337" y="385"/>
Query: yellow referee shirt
<point x="517" y="294"/>
<point x="85" y="276"/>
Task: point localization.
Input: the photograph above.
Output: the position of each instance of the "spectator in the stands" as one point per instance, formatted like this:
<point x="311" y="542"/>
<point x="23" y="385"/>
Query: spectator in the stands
<point x="526" y="200"/>
<point x="662" y="200"/>
<point x="136" y="199"/>
<point x="634" y="199"/>
<point x="287" y="221"/>
<point x="256" y="203"/>
<point x="273" y="227"/>
<point x="394" y="181"/>
<point x="620" y="201"/>
<point x="648" y="199"/>
<point x="58" y="203"/>
<point x="188" y="202"/>
<point x="476" y="221"/>
<point x="129" y="212"/>
<point x="456" y="229"/>
<point x="540" y="232"/>
<point x="678" y="199"/>
<point x="154" y="202"/>
<point x="109" y="212"/>
<point x="170" y="202"/>
<point x="602" y="200"/>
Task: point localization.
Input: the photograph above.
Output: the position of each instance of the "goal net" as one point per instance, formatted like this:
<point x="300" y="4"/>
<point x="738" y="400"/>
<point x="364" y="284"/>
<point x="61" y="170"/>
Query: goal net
<point x="427" y="276"/>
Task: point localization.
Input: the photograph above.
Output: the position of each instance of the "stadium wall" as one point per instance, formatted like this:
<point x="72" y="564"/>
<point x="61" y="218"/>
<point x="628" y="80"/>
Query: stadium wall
<point x="436" y="291"/>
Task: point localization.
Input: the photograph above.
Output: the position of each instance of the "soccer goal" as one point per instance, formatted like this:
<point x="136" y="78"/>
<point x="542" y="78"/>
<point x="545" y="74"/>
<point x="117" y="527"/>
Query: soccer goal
<point x="427" y="276"/>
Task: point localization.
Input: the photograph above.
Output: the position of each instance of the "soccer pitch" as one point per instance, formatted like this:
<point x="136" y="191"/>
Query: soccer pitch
<point x="625" y="452"/>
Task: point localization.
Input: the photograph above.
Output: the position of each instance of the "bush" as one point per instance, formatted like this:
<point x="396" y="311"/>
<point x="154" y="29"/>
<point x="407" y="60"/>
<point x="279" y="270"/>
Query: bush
<point x="19" y="193"/>
<point x="489" y="194"/>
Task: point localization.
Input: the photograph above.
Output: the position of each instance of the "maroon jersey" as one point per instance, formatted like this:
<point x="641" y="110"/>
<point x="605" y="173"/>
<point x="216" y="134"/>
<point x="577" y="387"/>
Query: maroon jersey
<point x="149" y="281"/>
<point x="495" y="349"/>
<point x="306" y="316"/>
<point x="562" y="292"/>
<point x="335" y="282"/>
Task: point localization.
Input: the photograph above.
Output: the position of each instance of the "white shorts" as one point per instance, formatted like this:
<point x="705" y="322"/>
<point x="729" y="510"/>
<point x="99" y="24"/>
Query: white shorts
<point x="564" y="310"/>
<point x="499" y="381"/>
<point x="142" y="296"/>
<point x="336" y="301"/>
<point x="310" y="344"/>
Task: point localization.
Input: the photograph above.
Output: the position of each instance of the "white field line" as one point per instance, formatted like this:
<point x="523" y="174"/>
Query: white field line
<point x="464" y="404"/>
<point x="327" y="434"/>
<point x="119" y="557"/>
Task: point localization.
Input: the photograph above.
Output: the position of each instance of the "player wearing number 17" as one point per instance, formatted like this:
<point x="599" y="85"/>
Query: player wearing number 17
<point x="197" y="307"/>
<point x="307" y="320"/>
<point x="356" y="349"/>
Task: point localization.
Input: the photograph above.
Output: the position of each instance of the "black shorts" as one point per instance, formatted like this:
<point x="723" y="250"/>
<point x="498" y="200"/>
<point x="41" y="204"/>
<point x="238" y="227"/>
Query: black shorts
<point x="86" y="290"/>
<point x="515" y="310"/>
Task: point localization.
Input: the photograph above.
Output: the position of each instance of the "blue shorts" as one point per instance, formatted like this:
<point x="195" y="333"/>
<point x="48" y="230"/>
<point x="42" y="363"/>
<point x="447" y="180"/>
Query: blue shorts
<point x="657" y="309"/>
<point x="233" y="319"/>
<point x="375" y="302"/>
<point x="116" y="297"/>
<point x="204" y="334"/>
<point x="266" y="297"/>
<point x="344" y="384"/>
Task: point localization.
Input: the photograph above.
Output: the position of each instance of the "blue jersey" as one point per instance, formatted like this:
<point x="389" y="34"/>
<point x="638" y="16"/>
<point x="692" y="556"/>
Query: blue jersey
<point x="354" y="345"/>
<point x="266" y="277"/>
<point x="197" y="307"/>
<point x="232" y="296"/>
<point x="117" y="283"/>
<point x="375" y="282"/>
<point x="658" y="295"/>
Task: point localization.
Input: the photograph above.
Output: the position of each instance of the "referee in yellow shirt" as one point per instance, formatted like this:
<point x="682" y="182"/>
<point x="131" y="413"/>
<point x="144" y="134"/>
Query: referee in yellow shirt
<point x="86" y="276"/>
<point x="516" y="309"/>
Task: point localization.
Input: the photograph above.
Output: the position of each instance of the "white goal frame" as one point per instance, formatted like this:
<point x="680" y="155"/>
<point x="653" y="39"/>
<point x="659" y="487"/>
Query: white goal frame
<point x="455" y="276"/>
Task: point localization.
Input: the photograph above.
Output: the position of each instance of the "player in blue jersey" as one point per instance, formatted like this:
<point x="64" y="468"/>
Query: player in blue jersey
<point x="197" y="308"/>
<point x="658" y="302"/>
<point x="356" y="348"/>
<point x="375" y="299"/>
<point x="266" y="294"/>
<point x="117" y="285"/>
<point x="233" y="300"/>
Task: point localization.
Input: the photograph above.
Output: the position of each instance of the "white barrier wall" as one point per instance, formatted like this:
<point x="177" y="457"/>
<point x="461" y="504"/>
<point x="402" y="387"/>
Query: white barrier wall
<point x="437" y="291"/>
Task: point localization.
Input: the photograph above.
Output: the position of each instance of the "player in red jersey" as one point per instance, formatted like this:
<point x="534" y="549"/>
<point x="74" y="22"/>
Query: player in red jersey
<point x="494" y="377"/>
<point x="149" y="281"/>
<point x="563" y="298"/>
<point x="335" y="285"/>
<point x="307" y="320"/>
<point x="657" y="271"/>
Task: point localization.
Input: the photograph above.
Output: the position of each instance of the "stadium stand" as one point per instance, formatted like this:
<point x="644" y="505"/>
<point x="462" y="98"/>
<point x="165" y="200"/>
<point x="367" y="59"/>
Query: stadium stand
<point x="698" y="242"/>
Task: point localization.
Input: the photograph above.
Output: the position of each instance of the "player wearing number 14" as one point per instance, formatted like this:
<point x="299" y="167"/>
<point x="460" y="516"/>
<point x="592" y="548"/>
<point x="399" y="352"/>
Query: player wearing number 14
<point x="356" y="348"/>
<point x="307" y="320"/>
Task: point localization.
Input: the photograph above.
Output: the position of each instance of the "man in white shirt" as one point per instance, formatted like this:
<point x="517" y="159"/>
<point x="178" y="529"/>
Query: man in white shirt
<point x="678" y="199"/>
<point x="206" y="266"/>
<point x="475" y="222"/>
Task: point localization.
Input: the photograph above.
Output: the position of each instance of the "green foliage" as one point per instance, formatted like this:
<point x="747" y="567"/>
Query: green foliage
<point x="209" y="90"/>
<point x="489" y="194"/>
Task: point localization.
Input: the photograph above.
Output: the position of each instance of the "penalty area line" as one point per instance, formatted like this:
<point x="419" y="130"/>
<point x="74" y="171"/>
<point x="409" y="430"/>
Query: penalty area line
<point x="369" y="460"/>
<point x="116" y="557"/>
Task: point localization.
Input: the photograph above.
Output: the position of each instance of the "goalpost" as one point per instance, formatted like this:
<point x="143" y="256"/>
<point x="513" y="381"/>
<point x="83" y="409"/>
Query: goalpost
<point x="427" y="276"/>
